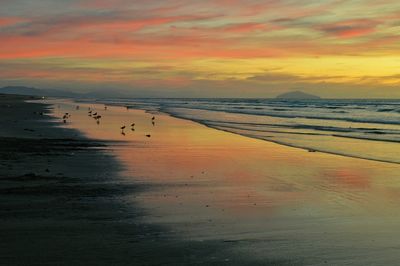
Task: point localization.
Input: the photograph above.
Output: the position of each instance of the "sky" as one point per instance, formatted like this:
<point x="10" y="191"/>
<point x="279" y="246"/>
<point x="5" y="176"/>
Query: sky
<point x="191" y="48"/>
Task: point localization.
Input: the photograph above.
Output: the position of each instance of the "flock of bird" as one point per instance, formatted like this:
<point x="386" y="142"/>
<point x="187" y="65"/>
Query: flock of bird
<point x="133" y="127"/>
<point x="97" y="117"/>
<point x="94" y="115"/>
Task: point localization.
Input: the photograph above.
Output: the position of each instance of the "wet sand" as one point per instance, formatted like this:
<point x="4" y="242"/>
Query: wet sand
<point x="188" y="195"/>
<point x="265" y="201"/>
<point x="63" y="201"/>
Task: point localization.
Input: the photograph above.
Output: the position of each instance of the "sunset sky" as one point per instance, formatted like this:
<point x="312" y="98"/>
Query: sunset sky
<point x="191" y="48"/>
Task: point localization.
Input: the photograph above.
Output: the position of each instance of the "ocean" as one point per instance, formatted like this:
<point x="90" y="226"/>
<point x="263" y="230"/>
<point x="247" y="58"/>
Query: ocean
<point x="367" y="129"/>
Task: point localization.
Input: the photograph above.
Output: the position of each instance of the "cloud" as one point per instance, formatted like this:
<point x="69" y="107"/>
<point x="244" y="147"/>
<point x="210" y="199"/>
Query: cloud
<point x="9" y="21"/>
<point x="183" y="33"/>
<point x="350" y="28"/>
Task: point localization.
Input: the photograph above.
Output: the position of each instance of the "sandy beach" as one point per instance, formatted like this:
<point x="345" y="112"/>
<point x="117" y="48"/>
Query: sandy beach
<point x="62" y="200"/>
<point x="88" y="193"/>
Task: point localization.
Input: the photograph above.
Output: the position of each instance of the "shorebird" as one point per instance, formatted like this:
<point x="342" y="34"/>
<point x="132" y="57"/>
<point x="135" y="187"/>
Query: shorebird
<point x="153" y="123"/>
<point x="148" y="135"/>
<point x="95" y="114"/>
<point x="153" y="118"/>
<point x="77" y="107"/>
<point x="105" y="107"/>
<point x="123" y="127"/>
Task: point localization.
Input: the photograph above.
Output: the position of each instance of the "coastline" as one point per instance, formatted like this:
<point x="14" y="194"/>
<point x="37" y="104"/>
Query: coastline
<point x="211" y="186"/>
<point x="189" y="194"/>
<point x="62" y="201"/>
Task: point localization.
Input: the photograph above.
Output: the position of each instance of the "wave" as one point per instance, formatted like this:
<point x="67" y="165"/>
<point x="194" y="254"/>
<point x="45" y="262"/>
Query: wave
<point x="355" y="128"/>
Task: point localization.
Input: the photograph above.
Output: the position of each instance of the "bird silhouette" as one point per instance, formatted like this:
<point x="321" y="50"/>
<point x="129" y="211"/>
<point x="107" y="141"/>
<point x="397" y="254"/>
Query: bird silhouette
<point x="148" y="135"/>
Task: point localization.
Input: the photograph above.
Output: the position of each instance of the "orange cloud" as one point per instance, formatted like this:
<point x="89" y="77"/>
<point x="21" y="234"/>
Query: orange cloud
<point x="350" y="28"/>
<point x="245" y="27"/>
<point x="7" y="21"/>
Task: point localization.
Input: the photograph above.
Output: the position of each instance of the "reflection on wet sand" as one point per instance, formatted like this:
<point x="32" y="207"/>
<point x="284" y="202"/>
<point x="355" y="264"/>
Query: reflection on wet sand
<point x="274" y="201"/>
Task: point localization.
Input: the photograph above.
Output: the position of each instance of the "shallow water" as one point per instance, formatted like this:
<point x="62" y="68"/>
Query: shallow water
<point x="322" y="125"/>
<point x="272" y="201"/>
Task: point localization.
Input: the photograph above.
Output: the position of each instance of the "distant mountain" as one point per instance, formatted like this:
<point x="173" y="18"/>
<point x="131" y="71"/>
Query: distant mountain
<point x="21" y="90"/>
<point x="297" y="95"/>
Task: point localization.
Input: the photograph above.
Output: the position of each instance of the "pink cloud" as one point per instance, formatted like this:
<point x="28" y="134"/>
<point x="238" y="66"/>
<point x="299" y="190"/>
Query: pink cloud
<point x="350" y="28"/>
<point x="8" y="21"/>
<point x="244" y="27"/>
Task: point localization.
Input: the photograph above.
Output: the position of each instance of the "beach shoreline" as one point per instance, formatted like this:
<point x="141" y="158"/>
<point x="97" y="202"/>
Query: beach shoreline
<point x="188" y="193"/>
<point x="62" y="201"/>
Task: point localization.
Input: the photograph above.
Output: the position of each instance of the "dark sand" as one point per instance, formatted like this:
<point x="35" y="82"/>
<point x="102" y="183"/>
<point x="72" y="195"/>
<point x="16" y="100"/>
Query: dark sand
<point x="60" y="202"/>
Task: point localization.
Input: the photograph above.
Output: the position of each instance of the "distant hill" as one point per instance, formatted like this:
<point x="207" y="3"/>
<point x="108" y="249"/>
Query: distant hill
<point x="21" y="90"/>
<point x="297" y="95"/>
